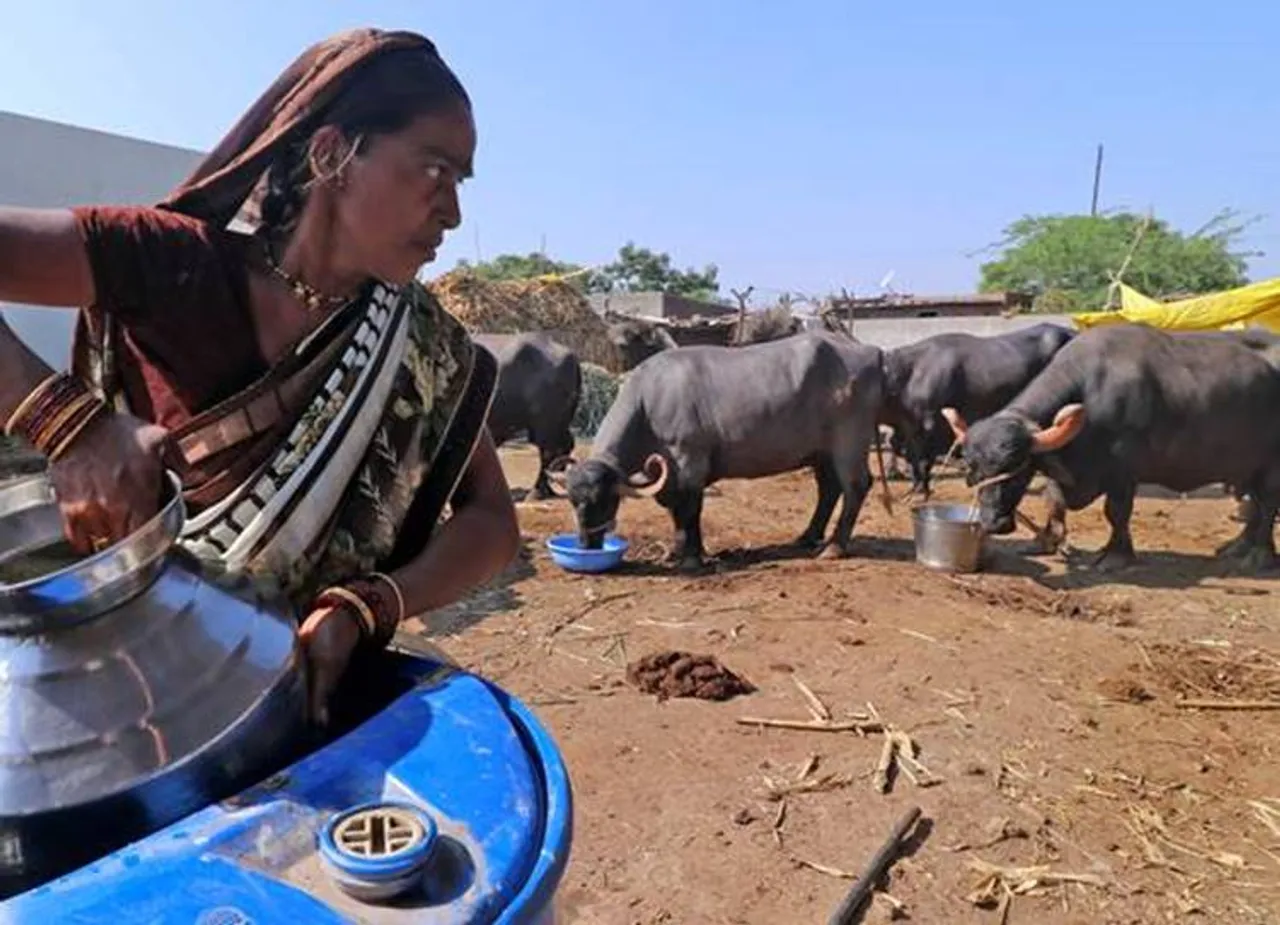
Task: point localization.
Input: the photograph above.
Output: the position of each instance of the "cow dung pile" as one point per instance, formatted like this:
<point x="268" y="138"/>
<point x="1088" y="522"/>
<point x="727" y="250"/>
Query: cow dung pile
<point x="599" y="389"/>
<point x="527" y="305"/>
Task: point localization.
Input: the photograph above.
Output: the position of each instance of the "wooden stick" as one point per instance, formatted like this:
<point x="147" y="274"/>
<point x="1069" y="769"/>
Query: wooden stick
<point x="880" y="863"/>
<point x="1228" y="704"/>
<point x="810" y="724"/>
<point x="819" y="709"/>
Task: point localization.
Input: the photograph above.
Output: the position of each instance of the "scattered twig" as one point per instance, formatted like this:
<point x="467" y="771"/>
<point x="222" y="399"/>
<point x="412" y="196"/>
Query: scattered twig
<point x="820" y="710"/>
<point x="778" y="819"/>
<point x="1228" y="704"/>
<point x="669" y="624"/>
<point x="824" y="869"/>
<point x="926" y="638"/>
<point x="586" y="609"/>
<point x="880" y="779"/>
<point x="823" y="784"/>
<point x="812" y="725"/>
<point x="998" y="885"/>
<point x="1000" y="829"/>
<point x="552" y="701"/>
<point x="1267" y="814"/>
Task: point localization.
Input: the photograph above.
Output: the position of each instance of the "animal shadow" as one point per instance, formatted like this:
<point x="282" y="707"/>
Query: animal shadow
<point x="1153" y="569"/>
<point x="496" y="596"/>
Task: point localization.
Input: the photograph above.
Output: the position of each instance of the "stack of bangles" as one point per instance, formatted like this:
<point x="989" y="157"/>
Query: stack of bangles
<point x="54" y="414"/>
<point x="376" y="602"/>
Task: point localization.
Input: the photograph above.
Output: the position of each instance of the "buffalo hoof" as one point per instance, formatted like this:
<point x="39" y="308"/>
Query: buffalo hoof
<point x="807" y="541"/>
<point x="538" y="494"/>
<point x="833" y="551"/>
<point x="690" y="564"/>
<point x="1238" y="548"/>
<point x="1046" y="544"/>
<point x="1257" y="561"/>
<point x="1113" y="560"/>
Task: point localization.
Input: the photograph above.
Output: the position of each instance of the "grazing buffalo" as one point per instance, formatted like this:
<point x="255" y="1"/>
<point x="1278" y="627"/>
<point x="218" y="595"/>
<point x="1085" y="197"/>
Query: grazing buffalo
<point x="977" y="376"/>
<point x="637" y="340"/>
<point x="689" y="417"/>
<point x="539" y="384"/>
<point x="1128" y="404"/>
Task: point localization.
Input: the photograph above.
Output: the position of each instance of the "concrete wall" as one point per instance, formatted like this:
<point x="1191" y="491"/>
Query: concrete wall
<point x="47" y="164"/>
<point x="655" y="305"/>
<point x="898" y="332"/>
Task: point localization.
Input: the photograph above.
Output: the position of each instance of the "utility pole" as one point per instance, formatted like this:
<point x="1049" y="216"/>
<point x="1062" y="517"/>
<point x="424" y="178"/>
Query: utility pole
<point x="1097" y="182"/>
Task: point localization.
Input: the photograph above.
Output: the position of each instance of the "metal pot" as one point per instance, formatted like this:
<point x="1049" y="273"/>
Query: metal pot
<point x="136" y="686"/>
<point x="948" y="537"/>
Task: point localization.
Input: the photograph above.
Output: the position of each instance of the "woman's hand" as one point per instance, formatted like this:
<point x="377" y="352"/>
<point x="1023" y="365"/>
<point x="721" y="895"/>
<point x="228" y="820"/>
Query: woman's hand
<point x="329" y="636"/>
<point x="110" y="481"/>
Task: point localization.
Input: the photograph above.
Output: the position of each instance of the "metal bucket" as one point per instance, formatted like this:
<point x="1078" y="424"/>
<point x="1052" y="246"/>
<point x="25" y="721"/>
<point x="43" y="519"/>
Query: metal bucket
<point x="948" y="537"/>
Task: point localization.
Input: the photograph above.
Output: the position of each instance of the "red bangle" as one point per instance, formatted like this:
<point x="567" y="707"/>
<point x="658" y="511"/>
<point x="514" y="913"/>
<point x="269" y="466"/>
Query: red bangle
<point x="54" y="414"/>
<point x="376" y="602"/>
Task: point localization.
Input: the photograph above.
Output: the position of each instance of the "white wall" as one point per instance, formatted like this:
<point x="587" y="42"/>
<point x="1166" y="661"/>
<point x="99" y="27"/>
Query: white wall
<point x="48" y="164"/>
<point x="890" y="333"/>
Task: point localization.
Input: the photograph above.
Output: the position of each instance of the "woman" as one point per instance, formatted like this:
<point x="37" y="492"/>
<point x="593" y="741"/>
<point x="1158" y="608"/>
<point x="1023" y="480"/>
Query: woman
<point x="319" y="407"/>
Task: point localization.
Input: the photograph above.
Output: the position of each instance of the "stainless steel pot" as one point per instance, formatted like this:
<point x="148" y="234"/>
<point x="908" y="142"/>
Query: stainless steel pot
<point x="136" y="686"/>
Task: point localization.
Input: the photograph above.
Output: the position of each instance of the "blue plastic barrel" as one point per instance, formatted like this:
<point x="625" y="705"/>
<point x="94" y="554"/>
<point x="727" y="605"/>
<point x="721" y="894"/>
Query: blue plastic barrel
<point x="441" y="799"/>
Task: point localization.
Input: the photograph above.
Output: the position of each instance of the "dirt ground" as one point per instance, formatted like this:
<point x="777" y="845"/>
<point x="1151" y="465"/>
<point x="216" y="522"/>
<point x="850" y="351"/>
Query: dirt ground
<point x="1044" y="700"/>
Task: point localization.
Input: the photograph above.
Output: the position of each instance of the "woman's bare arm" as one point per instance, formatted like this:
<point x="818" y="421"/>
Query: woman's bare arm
<point x="475" y="544"/>
<point x="43" y="261"/>
<point x="108" y="482"/>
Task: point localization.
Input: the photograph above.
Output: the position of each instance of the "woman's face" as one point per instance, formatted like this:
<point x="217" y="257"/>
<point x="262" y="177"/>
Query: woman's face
<point x="399" y="194"/>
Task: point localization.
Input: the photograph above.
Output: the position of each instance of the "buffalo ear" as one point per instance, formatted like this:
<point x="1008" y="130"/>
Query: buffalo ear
<point x="1066" y="426"/>
<point x="957" y="423"/>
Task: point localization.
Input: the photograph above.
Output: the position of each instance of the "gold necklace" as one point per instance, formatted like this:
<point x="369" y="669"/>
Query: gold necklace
<point x="308" y="296"/>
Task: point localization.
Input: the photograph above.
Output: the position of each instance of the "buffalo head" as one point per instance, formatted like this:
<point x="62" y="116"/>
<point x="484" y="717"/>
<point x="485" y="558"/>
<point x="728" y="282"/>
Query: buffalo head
<point x="596" y="487"/>
<point x="1000" y="453"/>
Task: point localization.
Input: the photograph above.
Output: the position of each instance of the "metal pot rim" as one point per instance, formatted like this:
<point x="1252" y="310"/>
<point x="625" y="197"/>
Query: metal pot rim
<point x="98" y="582"/>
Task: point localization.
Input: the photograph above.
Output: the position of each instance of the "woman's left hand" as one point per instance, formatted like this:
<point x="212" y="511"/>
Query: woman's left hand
<point x="329" y="636"/>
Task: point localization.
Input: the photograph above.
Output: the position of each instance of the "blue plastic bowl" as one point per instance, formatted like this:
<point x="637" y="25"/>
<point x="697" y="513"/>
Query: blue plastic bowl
<point x="566" y="553"/>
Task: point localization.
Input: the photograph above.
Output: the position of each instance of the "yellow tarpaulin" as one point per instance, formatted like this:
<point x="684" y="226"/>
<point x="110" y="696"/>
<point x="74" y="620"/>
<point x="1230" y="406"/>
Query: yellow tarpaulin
<point x="1255" y="304"/>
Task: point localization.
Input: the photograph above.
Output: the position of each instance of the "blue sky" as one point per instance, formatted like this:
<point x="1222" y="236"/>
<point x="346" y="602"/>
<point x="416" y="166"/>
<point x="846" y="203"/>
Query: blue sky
<point x="803" y="150"/>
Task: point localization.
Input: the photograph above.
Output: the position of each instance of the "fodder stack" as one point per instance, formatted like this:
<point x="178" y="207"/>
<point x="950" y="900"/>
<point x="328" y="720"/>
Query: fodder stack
<point x="527" y="305"/>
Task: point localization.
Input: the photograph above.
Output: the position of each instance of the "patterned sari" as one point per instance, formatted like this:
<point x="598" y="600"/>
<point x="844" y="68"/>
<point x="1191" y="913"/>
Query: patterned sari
<point x="368" y="465"/>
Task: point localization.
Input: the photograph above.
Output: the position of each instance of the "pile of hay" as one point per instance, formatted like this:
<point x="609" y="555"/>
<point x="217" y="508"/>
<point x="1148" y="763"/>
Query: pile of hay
<point x="524" y="306"/>
<point x="599" y="389"/>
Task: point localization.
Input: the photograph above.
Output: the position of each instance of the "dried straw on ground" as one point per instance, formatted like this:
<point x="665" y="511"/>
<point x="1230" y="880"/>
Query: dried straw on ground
<point x="516" y="306"/>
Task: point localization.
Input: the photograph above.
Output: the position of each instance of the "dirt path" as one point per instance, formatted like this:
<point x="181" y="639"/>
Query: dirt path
<point x="1042" y="698"/>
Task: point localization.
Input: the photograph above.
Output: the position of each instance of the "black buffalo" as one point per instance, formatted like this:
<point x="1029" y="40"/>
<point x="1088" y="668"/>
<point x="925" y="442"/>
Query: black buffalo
<point x="688" y="417"/>
<point x="976" y="376"/>
<point x="1124" y="405"/>
<point x="539" y="385"/>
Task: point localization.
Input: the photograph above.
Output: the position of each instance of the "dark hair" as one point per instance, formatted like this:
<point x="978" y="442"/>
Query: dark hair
<point x="391" y="92"/>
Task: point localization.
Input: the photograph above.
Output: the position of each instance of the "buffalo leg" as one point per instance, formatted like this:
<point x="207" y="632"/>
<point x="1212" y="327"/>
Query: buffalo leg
<point x="550" y="448"/>
<point x="1261" y="554"/>
<point x="686" y="514"/>
<point x="855" y="483"/>
<point x="1118" y="553"/>
<point x="1054" y="535"/>
<point x="828" y="494"/>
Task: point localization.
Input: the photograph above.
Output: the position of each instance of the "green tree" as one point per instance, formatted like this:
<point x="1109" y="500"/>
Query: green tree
<point x="636" y="269"/>
<point x="1069" y="263"/>
<point x="639" y="269"/>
